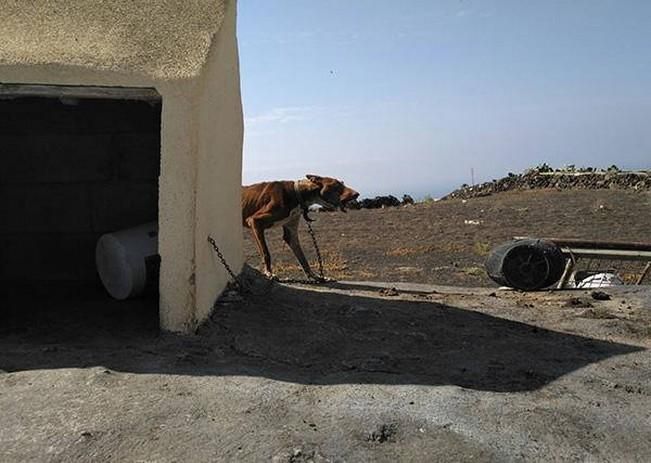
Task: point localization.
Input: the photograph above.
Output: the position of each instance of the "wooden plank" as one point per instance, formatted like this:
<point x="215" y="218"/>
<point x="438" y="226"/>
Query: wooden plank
<point x="643" y="274"/>
<point x="602" y="245"/>
<point x="567" y="272"/>
<point x="11" y="91"/>
<point x="619" y="254"/>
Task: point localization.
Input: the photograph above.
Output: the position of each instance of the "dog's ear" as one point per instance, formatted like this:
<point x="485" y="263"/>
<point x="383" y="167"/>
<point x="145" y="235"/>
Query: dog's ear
<point x="314" y="179"/>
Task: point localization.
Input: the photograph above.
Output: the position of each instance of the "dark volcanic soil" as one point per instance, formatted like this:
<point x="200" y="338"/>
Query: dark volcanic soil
<point x="442" y="243"/>
<point x="349" y="372"/>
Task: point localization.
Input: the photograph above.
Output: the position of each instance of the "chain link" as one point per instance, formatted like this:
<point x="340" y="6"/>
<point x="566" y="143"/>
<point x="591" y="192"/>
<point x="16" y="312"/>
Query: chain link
<point x="235" y="279"/>
<point x="316" y="248"/>
<point x="239" y="285"/>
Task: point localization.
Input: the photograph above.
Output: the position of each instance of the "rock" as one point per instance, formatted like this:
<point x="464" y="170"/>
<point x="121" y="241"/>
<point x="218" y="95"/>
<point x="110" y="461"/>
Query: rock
<point x="389" y="292"/>
<point x="379" y="202"/>
<point x="299" y="455"/>
<point x="354" y="205"/>
<point x="406" y="199"/>
<point x="600" y="295"/>
<point x="577" y="302"/>
<point x="384" y="433"/>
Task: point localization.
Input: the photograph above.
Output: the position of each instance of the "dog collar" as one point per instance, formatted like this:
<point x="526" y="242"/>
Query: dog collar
<point x="299" y="197"/>
<point x="301" y="203"/>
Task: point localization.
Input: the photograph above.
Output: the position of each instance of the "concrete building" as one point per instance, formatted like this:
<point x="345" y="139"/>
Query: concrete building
<point x="115" y="113"/>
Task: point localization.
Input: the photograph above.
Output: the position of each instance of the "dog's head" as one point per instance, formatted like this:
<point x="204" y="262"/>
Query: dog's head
<point x="332" y="193"/>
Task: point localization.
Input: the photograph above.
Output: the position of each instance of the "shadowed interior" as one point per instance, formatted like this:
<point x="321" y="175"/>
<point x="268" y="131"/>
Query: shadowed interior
<point x="72" y="170"/>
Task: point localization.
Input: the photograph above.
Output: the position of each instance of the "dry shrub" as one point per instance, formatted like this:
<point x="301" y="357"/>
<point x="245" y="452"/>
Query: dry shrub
<point x="472" y="271"/>
<point x="334" y="266"/>
<point x="405" y="251"/>
<point x="443" y="246"/>
<point x="362" y="274"/>
<point x="449" y="246"/>
<point x="481" y="249"/>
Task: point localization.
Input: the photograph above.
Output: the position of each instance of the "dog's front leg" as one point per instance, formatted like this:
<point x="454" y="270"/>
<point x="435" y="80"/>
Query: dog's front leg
<point x="290" y="236"/>
<point x="257" y="230"/>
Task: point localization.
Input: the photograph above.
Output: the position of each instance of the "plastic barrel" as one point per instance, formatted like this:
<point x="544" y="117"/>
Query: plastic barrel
<point x="526" y="264"/>
<point x="127" y="261"/>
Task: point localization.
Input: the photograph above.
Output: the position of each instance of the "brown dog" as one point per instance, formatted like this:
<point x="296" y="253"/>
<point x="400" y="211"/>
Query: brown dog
<point x="268" y="204"/>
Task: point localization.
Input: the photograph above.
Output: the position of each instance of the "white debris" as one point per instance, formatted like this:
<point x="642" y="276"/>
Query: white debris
<point x="600" y="280"/>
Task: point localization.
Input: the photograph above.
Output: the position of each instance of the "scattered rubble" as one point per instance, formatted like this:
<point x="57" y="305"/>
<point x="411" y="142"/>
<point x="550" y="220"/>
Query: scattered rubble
<point x="472" y="222"/>
<point x="407" y="199"/>
<point x="379" y="202"/>
<point x="577" y="302"/>
<point x="384" y="433"/>
<point x="540" y="177"/>
<point x="389" y="292"/>
<point x="569" y="178"/>
<point x="600" y="296"/>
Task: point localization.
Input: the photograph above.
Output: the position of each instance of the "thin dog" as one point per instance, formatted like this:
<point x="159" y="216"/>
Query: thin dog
<point x="270" y="204"/>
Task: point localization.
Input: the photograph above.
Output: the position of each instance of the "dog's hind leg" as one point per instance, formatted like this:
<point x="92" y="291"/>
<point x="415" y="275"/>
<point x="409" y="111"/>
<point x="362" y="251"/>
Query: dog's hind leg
<point x="290" y="236"/>
<point x="257" y="230"/>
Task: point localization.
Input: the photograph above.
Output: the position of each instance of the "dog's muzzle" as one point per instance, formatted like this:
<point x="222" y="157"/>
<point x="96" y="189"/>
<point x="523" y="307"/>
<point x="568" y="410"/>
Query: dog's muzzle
<point x="343" y="202"/>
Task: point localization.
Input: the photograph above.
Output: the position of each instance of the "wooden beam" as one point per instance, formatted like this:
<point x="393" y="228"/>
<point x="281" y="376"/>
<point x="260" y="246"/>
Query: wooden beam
<point x="644" y="273"/>
<point x="567" y="272"/>
<point x="615" y="254"/>
<point x="11" y="91"/>
<point x="601" y="245"/>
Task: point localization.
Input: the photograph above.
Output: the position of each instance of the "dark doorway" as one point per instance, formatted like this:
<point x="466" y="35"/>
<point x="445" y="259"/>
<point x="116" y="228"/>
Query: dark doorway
<point x="71" y="170"/>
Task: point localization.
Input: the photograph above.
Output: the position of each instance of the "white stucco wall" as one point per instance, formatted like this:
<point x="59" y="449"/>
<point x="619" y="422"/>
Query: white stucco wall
<point x="176" y="208"/>
<point x="201" y="151"/>
<point x="219" y="179"/>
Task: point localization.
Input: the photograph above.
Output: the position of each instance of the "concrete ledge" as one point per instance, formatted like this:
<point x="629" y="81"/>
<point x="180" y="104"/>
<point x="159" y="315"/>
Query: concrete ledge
<point x="642" y="291"/>
<point x="414" y="288"/>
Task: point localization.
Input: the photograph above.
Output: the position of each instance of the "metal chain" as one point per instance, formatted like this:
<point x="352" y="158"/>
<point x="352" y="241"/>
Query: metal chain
<point x="235" y="279"/>
<point x="239" y="285"/>
<point x="321" y="278"/>
<point x="316" y="248"/>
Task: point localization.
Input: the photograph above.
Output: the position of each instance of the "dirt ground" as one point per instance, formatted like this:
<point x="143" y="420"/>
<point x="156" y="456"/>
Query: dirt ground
<point x="349" y="371"/>
<point x="431" y="243"/>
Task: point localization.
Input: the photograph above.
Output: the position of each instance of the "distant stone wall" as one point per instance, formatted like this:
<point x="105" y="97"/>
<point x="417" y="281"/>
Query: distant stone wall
<point x="560" y="180"/>
<point x="69" y="173"/>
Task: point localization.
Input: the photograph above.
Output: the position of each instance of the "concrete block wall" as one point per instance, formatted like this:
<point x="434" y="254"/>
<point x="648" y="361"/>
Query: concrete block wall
<point x="69" y="173"/>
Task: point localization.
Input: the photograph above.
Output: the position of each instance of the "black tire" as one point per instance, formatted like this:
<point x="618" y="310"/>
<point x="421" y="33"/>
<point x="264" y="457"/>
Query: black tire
<point x="525" y="264"/>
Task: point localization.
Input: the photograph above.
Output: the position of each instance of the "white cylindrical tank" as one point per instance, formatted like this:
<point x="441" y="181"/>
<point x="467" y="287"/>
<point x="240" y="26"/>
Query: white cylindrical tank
<point x="127" y="259"/>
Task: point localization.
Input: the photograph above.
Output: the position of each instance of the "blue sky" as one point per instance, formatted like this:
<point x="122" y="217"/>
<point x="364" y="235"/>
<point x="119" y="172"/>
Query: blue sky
<point x="408" y="97"/>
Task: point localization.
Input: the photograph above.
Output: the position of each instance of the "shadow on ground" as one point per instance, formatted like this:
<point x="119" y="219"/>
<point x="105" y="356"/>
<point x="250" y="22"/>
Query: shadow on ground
<point x="297" y="335"/>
